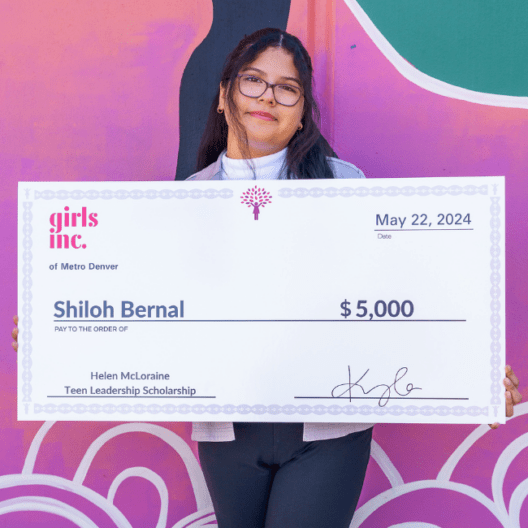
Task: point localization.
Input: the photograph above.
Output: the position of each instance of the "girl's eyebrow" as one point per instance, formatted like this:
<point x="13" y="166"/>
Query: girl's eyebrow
<point x="264" y="73"/>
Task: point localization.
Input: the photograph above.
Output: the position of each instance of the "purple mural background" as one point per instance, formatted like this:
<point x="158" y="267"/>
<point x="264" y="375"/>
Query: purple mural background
<point x="89" y="91"/>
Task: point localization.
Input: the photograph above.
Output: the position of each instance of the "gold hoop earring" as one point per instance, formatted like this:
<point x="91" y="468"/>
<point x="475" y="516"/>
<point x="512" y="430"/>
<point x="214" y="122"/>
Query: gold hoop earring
<point x="300" y="127"/>
<point x="220" y="110"/>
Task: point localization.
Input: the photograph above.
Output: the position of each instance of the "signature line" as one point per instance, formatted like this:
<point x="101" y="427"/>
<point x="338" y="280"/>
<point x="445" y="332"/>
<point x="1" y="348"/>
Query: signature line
<point x="429" y="229"/>
<point x="371" y="398"/>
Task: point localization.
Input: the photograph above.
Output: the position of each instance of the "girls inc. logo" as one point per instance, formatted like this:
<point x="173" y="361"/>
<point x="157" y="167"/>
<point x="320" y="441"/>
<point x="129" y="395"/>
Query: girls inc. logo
<point x="256" y="197"/>
<point x="67" y="219"/>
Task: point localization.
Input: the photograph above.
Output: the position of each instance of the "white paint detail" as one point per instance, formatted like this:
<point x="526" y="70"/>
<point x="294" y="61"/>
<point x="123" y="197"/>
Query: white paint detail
<point x="48" y="505"/>
<point x="383" y="498"/>
<point x="385" y="464"/>
<point x="31" y="457"/>
<point x="203" y="499"/>
<point x="447" y="469"/>
<point x="503" y="463"/>
<point x="207" y="521"/>
<point x="496" y="507"/>
<point x="415" y="525"/>
<point x="516" y="502"/>
<point x="12" y="481"/>
<point x="153" y="478"/>
<point x="205" y="517"/>
<point x="197" y="519"/>
<point x="425" y="81"/>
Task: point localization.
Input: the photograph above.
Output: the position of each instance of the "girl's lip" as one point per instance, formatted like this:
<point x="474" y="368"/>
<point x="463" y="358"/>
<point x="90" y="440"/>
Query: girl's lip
<point x="263" y="115"/>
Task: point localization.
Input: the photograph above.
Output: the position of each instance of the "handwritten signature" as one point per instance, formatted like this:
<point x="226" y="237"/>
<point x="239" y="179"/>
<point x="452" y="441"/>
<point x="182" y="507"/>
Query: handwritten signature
<point x="386" y="395"/>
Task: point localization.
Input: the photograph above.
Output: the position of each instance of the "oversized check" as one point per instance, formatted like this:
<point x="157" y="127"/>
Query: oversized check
<point x="298" y="301"/>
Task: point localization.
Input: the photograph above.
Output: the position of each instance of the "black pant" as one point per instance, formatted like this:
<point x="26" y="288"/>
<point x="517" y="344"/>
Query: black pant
<point x="268" y="477"/>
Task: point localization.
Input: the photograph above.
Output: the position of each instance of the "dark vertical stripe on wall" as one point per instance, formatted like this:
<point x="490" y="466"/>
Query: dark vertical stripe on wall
<point x="232" y="19"/>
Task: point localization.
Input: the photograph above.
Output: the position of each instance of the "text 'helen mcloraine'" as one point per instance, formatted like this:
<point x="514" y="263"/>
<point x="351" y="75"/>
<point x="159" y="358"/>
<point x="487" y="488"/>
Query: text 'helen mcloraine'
<point x="130" y="376"/>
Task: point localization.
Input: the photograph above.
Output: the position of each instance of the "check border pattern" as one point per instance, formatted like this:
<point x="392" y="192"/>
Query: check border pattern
<point x="27" y="283"/>
<point x="273" y="410"/>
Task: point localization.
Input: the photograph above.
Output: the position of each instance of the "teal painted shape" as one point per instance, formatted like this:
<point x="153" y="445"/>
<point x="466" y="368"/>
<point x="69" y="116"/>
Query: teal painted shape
<point x="480" y="45"/>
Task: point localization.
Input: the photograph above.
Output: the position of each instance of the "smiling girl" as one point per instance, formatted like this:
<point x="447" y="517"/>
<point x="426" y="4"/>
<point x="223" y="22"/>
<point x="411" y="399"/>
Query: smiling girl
<point x="262" y="125"/>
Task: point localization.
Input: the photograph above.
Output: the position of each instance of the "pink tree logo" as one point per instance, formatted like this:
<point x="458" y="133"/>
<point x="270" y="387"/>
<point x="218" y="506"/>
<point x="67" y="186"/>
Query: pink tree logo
<point x="256" y="197"/>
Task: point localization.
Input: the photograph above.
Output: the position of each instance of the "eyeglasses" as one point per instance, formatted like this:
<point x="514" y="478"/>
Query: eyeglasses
<point x="285" y="94"/>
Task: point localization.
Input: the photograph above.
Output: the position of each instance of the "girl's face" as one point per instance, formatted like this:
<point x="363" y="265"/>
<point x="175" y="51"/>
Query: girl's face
<point x="269" y="126"/>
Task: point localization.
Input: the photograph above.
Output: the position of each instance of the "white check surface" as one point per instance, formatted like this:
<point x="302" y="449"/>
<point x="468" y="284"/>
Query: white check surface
<point x="346" y="300"/>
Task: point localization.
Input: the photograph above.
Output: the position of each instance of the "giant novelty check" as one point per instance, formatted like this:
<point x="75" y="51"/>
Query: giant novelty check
<point x="297" y="301"/>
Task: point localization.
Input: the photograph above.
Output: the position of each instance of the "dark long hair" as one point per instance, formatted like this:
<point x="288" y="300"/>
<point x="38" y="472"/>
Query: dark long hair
<point x="307" y="150"/>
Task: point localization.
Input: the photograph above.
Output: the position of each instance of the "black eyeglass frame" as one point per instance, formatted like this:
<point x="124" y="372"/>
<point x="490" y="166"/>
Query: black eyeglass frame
<point x="268" y="85"/>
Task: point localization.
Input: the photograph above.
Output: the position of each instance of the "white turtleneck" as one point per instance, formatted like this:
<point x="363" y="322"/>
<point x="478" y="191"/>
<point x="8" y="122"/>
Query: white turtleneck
<point x="272" y="167"/>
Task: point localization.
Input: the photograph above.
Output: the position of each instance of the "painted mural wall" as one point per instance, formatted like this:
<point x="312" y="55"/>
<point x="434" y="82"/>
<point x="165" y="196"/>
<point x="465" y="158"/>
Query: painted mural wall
<point x="105" y="90"/>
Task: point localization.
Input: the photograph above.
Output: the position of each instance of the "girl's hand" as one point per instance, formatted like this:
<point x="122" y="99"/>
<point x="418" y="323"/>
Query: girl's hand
<point x="14" y="334"/>
<point x="513" y="396"/>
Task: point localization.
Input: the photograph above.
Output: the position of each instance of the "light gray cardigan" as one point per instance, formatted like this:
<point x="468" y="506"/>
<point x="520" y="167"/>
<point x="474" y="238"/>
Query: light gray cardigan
<point x="342" y="169"/>
<point x="224" y="431"/>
